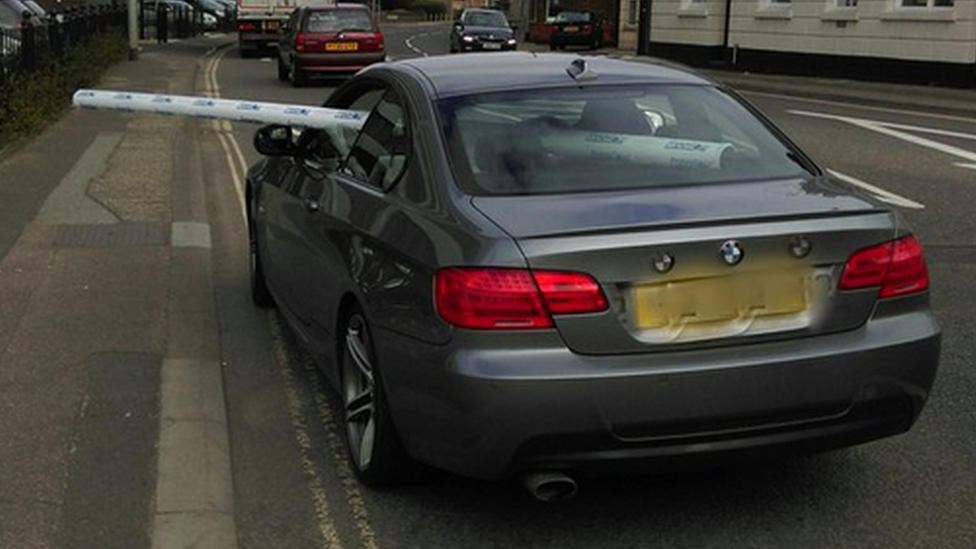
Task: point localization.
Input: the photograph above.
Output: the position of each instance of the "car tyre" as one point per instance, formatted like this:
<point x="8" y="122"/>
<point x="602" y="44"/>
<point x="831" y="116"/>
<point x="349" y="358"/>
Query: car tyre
<point x="297" y="76"/>
<point x="260" y="294"/>
<point x="375" y="452"/>
<point x="282" y="70"/>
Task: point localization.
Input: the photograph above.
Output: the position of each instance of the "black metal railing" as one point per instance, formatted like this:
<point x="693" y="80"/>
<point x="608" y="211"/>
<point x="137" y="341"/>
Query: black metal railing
<point x="39" y="43"/>
<point x="163" y="21"/>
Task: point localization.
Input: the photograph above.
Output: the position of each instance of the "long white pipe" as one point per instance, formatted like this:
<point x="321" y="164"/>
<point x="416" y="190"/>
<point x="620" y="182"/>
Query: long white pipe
<point x="254" y="112"/>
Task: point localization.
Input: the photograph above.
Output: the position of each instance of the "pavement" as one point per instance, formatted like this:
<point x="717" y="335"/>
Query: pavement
<point x="111" y="407"/>
<point x="112" y="411"/>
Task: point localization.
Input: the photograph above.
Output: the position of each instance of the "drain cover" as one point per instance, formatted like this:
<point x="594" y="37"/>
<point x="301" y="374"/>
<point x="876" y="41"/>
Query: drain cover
<point x="112" y="235"/>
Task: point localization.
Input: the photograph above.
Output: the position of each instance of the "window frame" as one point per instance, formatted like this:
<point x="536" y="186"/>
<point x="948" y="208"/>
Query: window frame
<point x="386" y="184"/>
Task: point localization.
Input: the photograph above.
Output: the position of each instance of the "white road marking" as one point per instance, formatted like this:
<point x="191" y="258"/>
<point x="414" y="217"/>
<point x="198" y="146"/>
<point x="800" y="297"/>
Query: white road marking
<point x="890" y="130"/>
<point x="881" y="194"/>
<point x="888" y="110"/>
<point x="409" y="43"/>
<point x="969" y="166"/>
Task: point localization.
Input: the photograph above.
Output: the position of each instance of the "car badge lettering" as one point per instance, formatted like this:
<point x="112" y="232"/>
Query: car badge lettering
<point x="731" y="252"/>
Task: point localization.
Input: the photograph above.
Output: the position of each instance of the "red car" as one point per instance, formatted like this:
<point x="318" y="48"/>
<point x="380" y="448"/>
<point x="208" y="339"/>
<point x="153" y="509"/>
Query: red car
<point x="576" y="28"/>
<point x="328" y="41"/>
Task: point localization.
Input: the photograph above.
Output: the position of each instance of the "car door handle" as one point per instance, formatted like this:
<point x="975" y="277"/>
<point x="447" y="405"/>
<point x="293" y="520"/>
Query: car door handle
<point x="312" y="205"/>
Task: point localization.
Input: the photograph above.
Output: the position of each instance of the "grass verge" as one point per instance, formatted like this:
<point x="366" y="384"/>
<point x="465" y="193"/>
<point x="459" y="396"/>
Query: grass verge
<point x="30" y="102"/>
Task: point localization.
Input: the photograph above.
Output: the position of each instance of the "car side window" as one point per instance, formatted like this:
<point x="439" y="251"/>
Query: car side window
<point x="327" y="148"/>
<point x="379" y="155"/>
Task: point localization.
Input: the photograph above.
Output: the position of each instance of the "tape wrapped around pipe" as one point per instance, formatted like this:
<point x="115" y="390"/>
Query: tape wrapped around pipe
<point x="253" y="112"/>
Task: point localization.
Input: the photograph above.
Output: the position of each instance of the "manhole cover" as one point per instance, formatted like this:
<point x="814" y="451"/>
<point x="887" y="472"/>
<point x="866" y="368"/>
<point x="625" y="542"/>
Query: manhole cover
<point x="113" y="235"/>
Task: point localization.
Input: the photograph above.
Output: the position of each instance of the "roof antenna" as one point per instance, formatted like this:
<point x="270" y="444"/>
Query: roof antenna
<point x="578" y="70"/>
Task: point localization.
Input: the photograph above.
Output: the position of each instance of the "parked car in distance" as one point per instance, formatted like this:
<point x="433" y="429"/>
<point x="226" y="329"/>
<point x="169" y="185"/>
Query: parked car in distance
<point x="328" y="41"/>
<point x="548" y="266"/>
<point x="576" y="28"/>
<point x="482" y="30"/>
<point x="14" y="15"/>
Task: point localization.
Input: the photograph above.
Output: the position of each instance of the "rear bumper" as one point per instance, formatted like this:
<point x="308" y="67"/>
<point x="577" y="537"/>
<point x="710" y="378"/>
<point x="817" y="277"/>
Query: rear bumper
<point x="477" y="46"/>
<point x="492" y="407"/>
<point x="258" y="39"/>
<point x="572" y="39"/>
<point x="328" y="63"/>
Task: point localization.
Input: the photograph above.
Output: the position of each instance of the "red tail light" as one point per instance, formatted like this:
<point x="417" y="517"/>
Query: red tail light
<point x="371" y="42"/>
<point x="499" y="299"/>
<point x="246" y="27"/>
<point x="897" y="267"/>
<point x="300" y="41"/>
<point x="588" y="28"/>
<point x="554" y="29"/>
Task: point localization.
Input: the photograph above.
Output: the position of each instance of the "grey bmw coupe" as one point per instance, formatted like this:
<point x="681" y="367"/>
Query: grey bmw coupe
<point x="546" y="267"/>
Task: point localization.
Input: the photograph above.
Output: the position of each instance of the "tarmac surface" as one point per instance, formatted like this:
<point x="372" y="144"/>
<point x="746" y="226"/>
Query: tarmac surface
<point x="107" y="292"/>
<point x="954" y="101"/>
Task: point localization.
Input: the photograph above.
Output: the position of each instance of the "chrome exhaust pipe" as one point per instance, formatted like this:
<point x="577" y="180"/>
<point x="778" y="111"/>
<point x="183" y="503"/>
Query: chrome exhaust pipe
<point x="549" y="486"/>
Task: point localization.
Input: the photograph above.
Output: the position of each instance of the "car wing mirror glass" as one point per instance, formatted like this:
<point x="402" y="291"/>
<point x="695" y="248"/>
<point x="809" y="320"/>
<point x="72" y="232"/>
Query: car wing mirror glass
<point x="275" y="140"/>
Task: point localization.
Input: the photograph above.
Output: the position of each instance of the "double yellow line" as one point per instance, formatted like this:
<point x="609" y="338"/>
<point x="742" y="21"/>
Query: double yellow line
<point x="324" y="517"/>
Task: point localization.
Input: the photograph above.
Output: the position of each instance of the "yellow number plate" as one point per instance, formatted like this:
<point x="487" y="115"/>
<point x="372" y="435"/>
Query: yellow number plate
<point x="342" y="46"/>
<point x="271" y="25"/>
<point x="571" y="29"/>
<point x="721" y="299"/>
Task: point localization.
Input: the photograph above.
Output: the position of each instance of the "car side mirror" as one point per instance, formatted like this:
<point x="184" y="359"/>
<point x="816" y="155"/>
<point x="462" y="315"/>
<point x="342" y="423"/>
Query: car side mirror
<point x="458" y="26"/>
<point x="275" y="140"/>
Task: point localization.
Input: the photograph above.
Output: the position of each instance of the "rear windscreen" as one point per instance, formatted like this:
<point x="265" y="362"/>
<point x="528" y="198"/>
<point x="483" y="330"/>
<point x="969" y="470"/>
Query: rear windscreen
<point x="573" y="17"/>
<point x="607" y="138"/>
<point x="338" y="20"/>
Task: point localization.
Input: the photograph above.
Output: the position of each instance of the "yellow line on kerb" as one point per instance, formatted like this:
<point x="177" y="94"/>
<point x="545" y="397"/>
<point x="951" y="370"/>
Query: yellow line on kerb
<point x="320" y="500"/>
<point x="350" y="485"/>
<point x="325" y="521"/>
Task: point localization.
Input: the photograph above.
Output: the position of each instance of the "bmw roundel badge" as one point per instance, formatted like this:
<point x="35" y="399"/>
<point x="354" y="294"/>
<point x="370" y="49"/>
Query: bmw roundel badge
<point x="731" y="252"/>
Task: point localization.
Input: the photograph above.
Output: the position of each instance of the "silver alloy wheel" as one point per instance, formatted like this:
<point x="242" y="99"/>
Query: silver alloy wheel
<point x="359" y="395"/>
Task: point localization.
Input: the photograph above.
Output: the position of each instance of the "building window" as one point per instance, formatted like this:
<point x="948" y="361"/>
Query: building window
<point x="926" y="3"/>
<point x="632" y="12"/>
<point x="846" y="3"/>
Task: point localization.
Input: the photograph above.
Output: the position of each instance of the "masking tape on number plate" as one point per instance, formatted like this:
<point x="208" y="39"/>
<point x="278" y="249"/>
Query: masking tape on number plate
<point x="253" y="112"/>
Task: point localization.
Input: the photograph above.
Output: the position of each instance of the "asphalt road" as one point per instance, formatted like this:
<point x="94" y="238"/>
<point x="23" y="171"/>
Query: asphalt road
<point x="293" y="488"/>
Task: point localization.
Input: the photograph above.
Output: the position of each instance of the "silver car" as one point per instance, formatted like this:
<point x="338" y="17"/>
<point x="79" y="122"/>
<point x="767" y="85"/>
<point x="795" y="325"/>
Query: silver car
<point x="547" y="266"/>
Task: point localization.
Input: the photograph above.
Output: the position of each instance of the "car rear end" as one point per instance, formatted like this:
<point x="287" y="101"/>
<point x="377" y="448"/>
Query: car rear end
<point x="670" y="302"/>
<point x="574" y="29"/>
<point x="258" y="22"/>
<point x="338" y="40"/>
